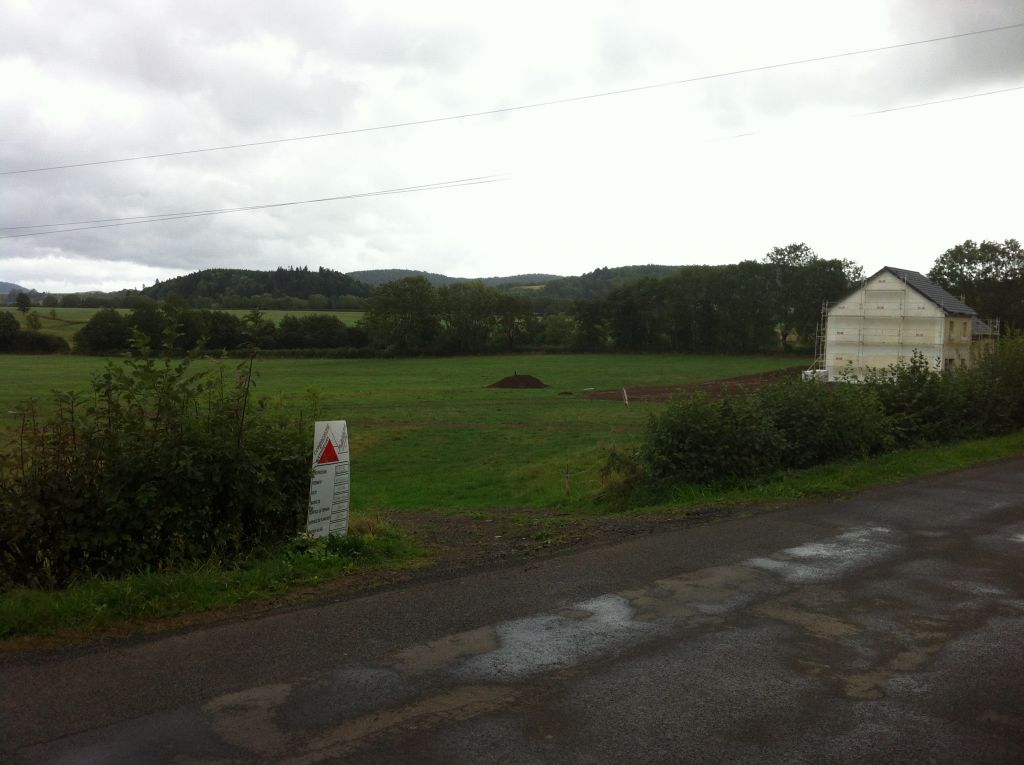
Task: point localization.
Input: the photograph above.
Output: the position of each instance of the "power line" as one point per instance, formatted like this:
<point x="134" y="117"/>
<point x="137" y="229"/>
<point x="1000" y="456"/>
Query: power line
<point x="520" y="107"/>
<point x="135" y="220"/>
<point x="476" y="180"/>
<point x="904" y="107"/>
<point x="159" y="216"/>
<point x="941" y="101"/>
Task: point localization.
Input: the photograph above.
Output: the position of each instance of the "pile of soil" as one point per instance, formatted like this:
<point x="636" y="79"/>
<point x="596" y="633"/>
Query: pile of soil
<point x="726" y="387"/>
<point x="518" y="381"/>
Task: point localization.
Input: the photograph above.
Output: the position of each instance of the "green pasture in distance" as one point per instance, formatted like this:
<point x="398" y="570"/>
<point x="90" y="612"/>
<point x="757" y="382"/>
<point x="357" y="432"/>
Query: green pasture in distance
<point x="429" y="433"/>
<point x="348" y="317"/>
<point x="65" y="322"/>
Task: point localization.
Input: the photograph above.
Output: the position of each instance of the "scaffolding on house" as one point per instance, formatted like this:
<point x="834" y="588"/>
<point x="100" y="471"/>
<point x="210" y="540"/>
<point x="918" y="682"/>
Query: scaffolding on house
<point x="816" y="371"/>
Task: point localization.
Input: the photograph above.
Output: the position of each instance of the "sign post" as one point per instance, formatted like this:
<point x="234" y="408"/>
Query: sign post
<point x="329" y="488"/>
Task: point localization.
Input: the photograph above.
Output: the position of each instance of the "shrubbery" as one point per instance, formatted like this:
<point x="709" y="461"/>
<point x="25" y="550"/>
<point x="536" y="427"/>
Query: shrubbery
<point x="158" y="465"/>
<point x="14" y="339"/>
<point x="701" y="439"/>
<point x="822" y="423"/>
<point x="796" y="424"/>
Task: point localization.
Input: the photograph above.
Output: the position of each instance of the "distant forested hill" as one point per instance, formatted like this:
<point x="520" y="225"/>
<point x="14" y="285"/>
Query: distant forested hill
<point x="602" y="281"/>
<point x="217" y="283"/>
<point x="6" y="287"/>
<point x="381" y="276"/>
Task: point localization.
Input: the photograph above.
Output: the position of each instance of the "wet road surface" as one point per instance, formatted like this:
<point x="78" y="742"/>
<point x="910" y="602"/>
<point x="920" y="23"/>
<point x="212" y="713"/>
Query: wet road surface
<point x="888" y="627"/>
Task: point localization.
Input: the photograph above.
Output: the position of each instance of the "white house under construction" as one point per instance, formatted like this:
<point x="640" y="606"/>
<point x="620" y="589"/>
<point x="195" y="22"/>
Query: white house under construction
<point x="894" y="313"/>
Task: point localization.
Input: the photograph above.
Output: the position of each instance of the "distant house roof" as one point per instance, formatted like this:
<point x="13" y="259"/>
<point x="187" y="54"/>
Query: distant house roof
<point x="978" y="327"/>
<point x="933" y="292"/>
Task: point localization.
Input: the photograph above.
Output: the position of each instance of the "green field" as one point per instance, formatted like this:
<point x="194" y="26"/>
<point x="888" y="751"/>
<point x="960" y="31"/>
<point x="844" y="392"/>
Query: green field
<point x="65" y="322"/>
<point x="348" y="317"/>
<point x="429" y="433"/>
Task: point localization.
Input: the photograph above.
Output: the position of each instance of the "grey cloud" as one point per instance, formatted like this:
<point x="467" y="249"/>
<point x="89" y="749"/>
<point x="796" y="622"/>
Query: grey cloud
<point x="190" y="74"/>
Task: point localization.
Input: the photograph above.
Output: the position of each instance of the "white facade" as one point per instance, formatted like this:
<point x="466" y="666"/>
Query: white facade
<point x="887" y="319"/>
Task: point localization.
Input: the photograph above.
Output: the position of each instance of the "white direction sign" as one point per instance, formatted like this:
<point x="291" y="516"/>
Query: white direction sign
<point x="329" y="489"/>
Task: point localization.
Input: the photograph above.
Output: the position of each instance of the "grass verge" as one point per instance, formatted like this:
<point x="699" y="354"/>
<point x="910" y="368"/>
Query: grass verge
<point x="841" y="478"/>
<point x="111" y="603"/>
<point x="117" y="603"/>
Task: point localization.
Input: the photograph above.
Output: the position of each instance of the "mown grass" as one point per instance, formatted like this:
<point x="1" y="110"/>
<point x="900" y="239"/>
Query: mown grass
<point x="109" y="603"/>
<point x="429" y="433"/>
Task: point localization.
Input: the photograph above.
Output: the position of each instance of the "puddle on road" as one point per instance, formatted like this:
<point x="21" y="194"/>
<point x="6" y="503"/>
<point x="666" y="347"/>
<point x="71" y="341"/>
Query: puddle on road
<point x="804" y="609"/>
<point x="708" y="592"/>
<point x="824" y="561"/>
<point x="588" y="629"/>
<point x="440" y="653"/>
<point x="553" y="641"/>
<point x="473" y="673"/>
<point x="485" y="661"/>
<point x="246" y="719"/>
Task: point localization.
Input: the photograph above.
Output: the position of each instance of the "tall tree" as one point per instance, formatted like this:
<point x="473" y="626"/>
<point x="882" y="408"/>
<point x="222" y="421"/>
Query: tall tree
<point x="106" y="332"/>
<point x="468" y="310"/>
<point x="800" y="281"/>
<point x="404" y="316"/>
<point x="989" y="276"/>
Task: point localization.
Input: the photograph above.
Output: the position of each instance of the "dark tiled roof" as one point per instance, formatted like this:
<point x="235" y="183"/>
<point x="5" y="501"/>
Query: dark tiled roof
<point x="932" y="291"/>
<point x="978" y="327"/>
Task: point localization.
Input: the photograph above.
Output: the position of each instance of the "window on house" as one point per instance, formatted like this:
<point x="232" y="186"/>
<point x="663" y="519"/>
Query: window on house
<point x="952" y="329"/>
<point x="963" y="331"/>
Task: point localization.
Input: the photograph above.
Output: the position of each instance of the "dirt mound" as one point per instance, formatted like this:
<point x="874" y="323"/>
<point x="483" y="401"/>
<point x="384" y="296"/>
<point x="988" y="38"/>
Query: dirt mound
<point x="726" y="387"/>
<point x="518" y="381"/>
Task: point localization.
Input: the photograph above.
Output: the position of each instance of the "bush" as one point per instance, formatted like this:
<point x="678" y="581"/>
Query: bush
<point x="106" y="332"/>
<point x="824" y="423"/>
<point x="914" y="397"/>
<point x="991" y="392"/>
<point x="158" y="466"/>
<point x="798" y="424"/>
<point x="923" y="406"/>
<point x="702" y="440"/>
<point x="27" y="341"/>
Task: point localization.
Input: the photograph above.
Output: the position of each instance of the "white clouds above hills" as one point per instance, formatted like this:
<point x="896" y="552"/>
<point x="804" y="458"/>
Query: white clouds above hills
<point x="652" y="176"/>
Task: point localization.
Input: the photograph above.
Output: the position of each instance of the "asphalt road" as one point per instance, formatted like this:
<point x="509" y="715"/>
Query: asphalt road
<point x="885" y="628"/>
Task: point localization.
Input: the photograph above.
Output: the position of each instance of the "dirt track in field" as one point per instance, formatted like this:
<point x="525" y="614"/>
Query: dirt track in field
<point x="727" y="387"/>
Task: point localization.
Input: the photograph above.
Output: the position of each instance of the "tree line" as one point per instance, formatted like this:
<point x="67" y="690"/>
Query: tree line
<point x="746" y="307"/>
<point x="772" y="304"/>
<point x="173" y="325"/>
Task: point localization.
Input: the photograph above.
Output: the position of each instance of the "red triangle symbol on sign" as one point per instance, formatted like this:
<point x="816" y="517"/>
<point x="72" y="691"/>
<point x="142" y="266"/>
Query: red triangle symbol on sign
<point x="328" y="455"/>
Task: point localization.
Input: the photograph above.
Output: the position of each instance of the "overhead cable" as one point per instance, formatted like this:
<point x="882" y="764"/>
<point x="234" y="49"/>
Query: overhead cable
<point x="157" y="217"/>
<point x="901" y="108"/>
<point x="135" y="220"/>
<point x="520" y="107"/>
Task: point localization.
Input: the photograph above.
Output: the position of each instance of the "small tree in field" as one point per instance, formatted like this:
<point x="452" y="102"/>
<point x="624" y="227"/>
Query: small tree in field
<point x="23" y="302"/>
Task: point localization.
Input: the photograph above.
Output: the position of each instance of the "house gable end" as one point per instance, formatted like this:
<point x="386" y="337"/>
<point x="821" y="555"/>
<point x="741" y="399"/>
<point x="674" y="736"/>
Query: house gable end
<point x="893" y="279"/>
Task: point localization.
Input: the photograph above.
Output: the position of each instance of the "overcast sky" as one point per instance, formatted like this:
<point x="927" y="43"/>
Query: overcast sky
<point x="655" y="176"/>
